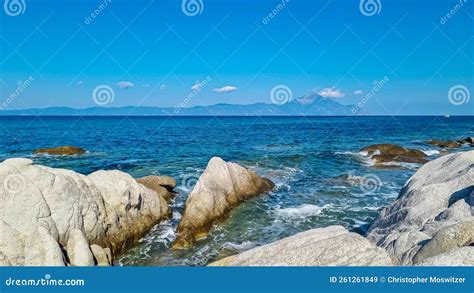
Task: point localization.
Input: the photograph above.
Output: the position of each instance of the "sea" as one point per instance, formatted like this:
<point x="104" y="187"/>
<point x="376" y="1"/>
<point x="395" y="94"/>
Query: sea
<point x="321" y="176"/>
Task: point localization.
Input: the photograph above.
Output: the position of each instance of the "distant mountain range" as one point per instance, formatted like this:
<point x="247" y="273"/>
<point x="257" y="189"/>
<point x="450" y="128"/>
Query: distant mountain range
<point x="310" y="105"/>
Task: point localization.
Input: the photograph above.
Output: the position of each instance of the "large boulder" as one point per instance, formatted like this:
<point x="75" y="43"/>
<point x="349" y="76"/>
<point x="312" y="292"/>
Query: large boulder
<point x="433" y="213"/>
<point x="61" y="151"/>
<point x="330" y="246"/>
<point x="221" y="187"/>
<point x="43" y="210"/>
<point x="385" y="155"/>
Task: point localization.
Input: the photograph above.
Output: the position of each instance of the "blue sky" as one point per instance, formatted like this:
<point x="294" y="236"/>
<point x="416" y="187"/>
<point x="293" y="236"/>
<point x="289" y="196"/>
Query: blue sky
<point x="323" y="46"/>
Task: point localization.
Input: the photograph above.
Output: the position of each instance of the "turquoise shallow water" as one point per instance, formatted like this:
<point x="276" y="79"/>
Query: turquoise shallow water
<point x="314" y="162"/>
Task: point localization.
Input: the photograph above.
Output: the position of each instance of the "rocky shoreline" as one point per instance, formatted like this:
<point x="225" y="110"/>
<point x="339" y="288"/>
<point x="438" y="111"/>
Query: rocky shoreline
<point x="82" y="220"/>
<point x="57" y="217"/>
<point x="431" y="223"/>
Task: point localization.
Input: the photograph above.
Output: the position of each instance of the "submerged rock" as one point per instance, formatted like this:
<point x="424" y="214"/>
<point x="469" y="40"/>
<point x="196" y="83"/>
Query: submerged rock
<point x="221" y="187"/>
<point x="62" y="150"/>
<point x="452" y="144"/>
<point x="432" y="215"/>
<point x="330" y="246"/>
<point x="163" y="185"/>
<point x="384" y="154"/>
<point x="43" y="210"/>
<point x="444" y="143"/>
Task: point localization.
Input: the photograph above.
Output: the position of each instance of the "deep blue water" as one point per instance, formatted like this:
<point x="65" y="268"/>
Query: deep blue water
<point x="314" y="162"/>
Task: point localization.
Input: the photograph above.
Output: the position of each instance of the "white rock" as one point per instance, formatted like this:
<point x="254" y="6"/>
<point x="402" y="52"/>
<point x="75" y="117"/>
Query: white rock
<point x="330" y="246"/>
<point x="41" y="249"/>
<point x="78" y="249"/>
<point x="463" y="256"/>
<point x="437" y="196"/>
<point x="101" y="256"/>
<point x="221" y="187"/>
<point x="109" y="207"/>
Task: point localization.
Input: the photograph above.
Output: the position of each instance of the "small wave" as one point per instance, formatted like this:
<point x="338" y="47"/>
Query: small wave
<point x="176" y="215"/>
<point x="302" y="211"/>
<point x="246" y="245"/>
<point x="162" y="233"/>
<point x="361" y="156"/>
<point x="431" y="152"/>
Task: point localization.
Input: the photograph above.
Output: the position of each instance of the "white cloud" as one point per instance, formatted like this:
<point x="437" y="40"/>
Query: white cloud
<point x="196" y="86"/>
<point x="358" y="92"/>
<point x="125" y="85"/>
<point x="331" y="92"/>
<point x="225" y="89"/>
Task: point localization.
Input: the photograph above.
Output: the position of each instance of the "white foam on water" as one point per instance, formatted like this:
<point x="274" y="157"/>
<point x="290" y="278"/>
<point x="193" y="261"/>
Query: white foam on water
<point x="410" y="166"/>
<point x="161" y="233"/>
<point x="362" y="156"/>
<point x="176" y="215"/>
<point x="430" y="152"/>
<point x="246" y="245"/>
<point x="302" y="211"/>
